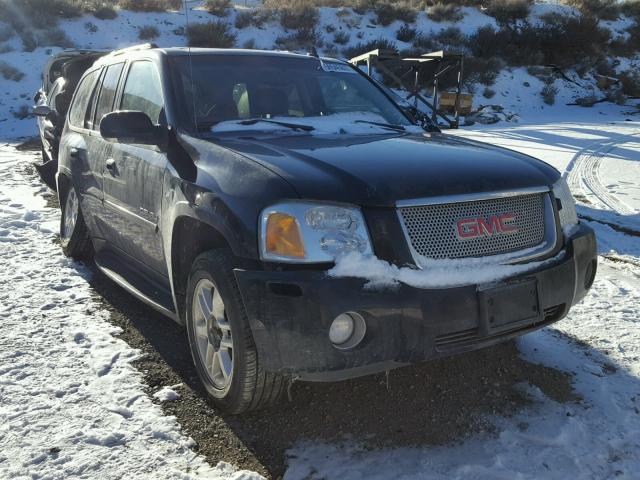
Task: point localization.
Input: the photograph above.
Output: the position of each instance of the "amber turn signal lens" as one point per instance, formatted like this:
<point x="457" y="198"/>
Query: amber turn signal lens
<point x="283" y="236"/>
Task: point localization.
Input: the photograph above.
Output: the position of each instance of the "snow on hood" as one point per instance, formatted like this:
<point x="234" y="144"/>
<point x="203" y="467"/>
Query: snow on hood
<point x="334" y="124"/>
<point x="434" y="273"/>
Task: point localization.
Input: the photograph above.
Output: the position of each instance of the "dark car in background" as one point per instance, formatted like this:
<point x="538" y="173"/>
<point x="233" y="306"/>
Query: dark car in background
<point x="59" y="80"/>
<point x="220" y="186"/>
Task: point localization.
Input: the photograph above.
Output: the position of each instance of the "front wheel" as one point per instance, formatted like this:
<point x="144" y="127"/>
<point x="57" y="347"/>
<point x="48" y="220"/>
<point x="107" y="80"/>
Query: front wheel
<point x="74" y="235"/>
<point x="221" y="341"/>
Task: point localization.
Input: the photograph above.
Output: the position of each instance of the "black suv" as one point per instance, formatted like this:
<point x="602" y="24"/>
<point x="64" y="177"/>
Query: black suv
<point x="220" y="187"/>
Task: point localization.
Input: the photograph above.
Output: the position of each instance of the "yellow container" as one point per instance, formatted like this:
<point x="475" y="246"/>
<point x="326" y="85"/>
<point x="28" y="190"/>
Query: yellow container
<point x="447" y="102"/>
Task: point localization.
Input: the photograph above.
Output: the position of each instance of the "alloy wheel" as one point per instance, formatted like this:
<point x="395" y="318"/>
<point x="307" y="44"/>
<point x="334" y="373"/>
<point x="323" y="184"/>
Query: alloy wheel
<point x="70" y="214"/>
<point x="213" y="334"/>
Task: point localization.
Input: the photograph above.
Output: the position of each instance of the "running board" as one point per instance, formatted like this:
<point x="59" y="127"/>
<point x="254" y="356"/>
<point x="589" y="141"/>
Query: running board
<point x="119" y="279"/>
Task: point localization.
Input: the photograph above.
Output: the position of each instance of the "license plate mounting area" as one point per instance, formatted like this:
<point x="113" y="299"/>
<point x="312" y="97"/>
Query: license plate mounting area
<point x="509" y="306"/>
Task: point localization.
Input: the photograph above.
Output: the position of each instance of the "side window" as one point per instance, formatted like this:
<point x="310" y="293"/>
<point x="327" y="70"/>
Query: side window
<point x="107" y="93"/>
<point x="81" y="100"/>
<point x="143" y="91"/>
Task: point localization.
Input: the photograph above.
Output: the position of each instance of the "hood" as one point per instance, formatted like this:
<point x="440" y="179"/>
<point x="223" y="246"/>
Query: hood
<point x="381" y="169"/>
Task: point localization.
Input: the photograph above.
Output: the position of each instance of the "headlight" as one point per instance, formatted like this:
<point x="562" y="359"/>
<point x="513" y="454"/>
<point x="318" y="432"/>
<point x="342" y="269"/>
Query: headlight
<point x="567" y="211"/>
<point x="304" y="232"/>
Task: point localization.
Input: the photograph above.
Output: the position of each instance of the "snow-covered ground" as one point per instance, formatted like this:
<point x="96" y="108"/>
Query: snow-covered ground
<point x="71" y="404"/>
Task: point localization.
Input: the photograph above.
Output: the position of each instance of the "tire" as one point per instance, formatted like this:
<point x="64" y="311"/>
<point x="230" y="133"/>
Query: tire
<point x="74" y="235"/>
<point x="232" y="374"/>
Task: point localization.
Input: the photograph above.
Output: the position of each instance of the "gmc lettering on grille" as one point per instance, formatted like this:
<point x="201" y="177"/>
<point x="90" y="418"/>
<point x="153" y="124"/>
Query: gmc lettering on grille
<point x="469" y="228"/>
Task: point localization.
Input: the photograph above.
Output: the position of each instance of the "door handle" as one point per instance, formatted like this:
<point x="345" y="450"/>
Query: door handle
<point x="111" y="164"/>
<point x="74" y="153"/>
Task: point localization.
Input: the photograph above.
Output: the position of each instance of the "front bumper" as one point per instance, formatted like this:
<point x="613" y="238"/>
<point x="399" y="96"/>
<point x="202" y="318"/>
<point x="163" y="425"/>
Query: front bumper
<point x="290" y="313"/>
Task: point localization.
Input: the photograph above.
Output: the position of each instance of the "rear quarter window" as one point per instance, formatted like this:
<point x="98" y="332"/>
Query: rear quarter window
<point x="78" y="111"/>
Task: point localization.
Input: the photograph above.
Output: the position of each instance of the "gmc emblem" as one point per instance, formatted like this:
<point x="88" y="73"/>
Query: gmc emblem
<point x="469" y="228"/>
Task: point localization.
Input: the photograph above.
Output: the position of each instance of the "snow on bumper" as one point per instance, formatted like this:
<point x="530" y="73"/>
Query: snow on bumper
<point x="290" y="313"/>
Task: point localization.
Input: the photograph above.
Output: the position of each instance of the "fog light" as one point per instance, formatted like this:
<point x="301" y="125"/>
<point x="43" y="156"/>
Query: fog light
<point x="347" y="330"/>
<point x="341" y="329"/>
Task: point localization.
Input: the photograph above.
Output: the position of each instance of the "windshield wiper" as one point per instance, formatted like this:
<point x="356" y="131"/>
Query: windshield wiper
<point x="293" y="126"/>
<point x="391" y="126"/>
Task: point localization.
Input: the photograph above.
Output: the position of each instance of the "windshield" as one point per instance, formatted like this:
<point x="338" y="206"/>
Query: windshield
<point x="242" y="87"/>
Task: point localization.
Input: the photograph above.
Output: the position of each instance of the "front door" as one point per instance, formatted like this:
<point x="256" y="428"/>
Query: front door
<point x="133" y="175"/>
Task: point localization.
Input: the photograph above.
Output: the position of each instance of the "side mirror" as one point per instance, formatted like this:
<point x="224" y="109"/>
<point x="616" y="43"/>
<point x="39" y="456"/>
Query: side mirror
<point x="131" y="127"/>
<point x="42" y="111"/>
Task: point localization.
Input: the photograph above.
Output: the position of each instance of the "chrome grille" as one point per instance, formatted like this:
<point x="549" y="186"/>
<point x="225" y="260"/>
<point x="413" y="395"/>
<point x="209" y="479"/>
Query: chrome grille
<point x="432" y="228"/>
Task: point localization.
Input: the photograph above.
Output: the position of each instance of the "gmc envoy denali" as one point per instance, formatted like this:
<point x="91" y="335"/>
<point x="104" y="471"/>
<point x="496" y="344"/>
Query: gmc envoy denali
<point x="220" y="186"/>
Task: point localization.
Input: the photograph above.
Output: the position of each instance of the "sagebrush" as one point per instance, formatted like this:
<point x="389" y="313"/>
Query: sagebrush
<point x="211" y="35"/>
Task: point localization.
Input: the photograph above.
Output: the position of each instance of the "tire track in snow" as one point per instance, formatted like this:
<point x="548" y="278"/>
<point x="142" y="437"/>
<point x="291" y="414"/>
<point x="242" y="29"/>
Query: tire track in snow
<point x="582" y="173"/>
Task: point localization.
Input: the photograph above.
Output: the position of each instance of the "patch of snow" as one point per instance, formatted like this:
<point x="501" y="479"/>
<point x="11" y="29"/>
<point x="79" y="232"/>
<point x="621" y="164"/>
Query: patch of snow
<point x="72" y="404"/>
<point x="335" y="124"/>
<point x="166" y="394"/>
<point x="434" y="273"/>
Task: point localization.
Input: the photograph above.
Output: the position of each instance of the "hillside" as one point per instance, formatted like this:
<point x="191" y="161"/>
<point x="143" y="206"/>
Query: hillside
<point x="509" y="43"/>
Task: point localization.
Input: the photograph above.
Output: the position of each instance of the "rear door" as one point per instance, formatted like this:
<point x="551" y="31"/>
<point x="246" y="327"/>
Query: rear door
<point x="100" y="149"/>
<point x="78" y="153"/>
<point x="133" y="181"/>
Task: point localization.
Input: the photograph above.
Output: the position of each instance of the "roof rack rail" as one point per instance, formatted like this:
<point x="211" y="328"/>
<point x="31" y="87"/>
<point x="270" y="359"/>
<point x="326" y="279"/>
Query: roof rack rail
<point x="134" y="48"/>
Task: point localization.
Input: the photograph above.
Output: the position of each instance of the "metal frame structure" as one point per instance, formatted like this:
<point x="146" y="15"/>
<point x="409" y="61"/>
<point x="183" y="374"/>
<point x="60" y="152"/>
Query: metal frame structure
<point x="384" y="60"/>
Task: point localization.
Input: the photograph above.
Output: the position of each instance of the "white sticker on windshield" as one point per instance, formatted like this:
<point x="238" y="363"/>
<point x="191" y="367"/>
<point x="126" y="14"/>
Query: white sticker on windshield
<point x="336" y="67"/>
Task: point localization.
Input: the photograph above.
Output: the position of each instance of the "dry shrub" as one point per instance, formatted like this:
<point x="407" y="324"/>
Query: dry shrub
<point x="631" y="8"/>
<point x="219" y="8"/>
<point x="90" y="27"/>
<point x="54" y="37"/>
<point x="482" y="70"/>
<point x="566" y="42"/>
<point x="509" y="11"/>
<point x="341" y="38"/>
<point x="294" y="14"/>
<point x="148" y="32"/>
<point x="36" y="14"/>
<point x="9" y="72"/>
<point x="211" y="35"/>
<point x="387" y="13"/>
<point x="445" y="12"/>
<point x="254" y="17"/>
<point x="627" y="46"/>
<point x="363" y="47"/>
<point x="6" y="33"/>
<point x="244" y="19"/>
<point x="630" y="81"/>
<point x="406" y="33"/>
<point x="304" y="18"/>
<point x="105" y="12"/>
<point x="488" y="93"/>
<point x="450" y="38"/>
<point x="549" y="93"/>
<point x="150" y="5"/>
<point x="301" y="40"/>
<point x="602" y="9"/>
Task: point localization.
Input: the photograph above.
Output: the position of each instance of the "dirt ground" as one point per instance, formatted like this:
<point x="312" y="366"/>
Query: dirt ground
<point x="434" y="403"/>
